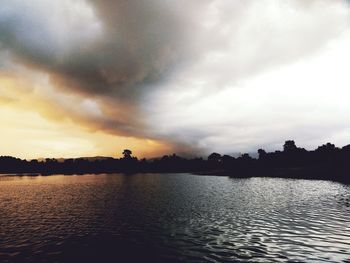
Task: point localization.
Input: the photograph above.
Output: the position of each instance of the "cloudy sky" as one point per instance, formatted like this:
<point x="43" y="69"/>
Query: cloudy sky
<point x="92" y="77"/>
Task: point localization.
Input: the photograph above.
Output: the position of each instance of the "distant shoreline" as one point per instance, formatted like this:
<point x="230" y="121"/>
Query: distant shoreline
<point x="327" y="162"/>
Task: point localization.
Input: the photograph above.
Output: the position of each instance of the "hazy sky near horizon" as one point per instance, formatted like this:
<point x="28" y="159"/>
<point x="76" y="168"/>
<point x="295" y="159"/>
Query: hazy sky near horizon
<point x="92" y="77"/>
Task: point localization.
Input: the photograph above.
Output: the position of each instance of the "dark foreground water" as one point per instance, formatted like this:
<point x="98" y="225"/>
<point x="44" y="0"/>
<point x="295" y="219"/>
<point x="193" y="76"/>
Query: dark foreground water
<point x="172" y="217"/>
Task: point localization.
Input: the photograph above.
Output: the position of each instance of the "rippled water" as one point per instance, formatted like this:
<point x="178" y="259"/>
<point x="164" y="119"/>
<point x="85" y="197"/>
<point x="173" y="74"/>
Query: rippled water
<point x="173" y="217"/>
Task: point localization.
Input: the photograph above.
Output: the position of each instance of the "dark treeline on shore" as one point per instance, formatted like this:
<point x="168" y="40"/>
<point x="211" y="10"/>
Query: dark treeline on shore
<point x="326" y="162"/>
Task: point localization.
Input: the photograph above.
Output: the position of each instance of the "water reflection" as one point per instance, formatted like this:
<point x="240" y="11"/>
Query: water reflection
<point x="174" y="217"/>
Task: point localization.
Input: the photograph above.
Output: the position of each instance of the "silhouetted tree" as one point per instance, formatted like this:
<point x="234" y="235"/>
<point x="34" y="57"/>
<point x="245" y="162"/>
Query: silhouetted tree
<point x="127" y="154"/>
<point x="289" y="146"/>
<point x="262" y="154"/>
<point x="214" y="157"/>
<point x="326" y="148"/>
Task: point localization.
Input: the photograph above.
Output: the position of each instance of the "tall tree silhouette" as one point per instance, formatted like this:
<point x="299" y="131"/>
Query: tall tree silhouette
<point x="289" y="146"/>
<point x="127" y="154"/>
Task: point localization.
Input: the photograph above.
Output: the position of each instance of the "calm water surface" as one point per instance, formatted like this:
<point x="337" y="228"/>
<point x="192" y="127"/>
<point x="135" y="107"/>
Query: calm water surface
<point x="172" y="217"/>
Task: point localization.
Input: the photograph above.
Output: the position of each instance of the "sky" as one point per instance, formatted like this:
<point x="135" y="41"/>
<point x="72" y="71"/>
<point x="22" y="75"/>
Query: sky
<point x="93" y="77"/>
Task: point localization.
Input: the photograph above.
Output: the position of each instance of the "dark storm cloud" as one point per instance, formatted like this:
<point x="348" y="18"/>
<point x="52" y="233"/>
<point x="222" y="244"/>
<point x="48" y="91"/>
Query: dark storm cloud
<point x="123" y="48"/>
<point x="140" y="40"/>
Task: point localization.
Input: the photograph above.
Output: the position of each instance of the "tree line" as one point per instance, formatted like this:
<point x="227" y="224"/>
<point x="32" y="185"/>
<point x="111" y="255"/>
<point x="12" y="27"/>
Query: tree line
<point x="325" y="162"/>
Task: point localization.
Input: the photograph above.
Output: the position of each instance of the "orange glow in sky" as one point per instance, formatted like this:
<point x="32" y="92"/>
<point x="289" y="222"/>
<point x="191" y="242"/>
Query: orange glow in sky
<point x="32" y="127"/>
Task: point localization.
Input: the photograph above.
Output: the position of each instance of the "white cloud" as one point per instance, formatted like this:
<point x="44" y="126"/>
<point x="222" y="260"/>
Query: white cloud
<point x="276" y="71"/>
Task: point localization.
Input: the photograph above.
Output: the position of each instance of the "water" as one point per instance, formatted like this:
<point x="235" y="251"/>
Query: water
<point x="173" y="218"/>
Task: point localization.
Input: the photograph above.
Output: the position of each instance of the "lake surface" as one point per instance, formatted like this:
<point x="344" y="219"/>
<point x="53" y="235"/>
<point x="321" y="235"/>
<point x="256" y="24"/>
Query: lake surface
<point x="172" y="218"/>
